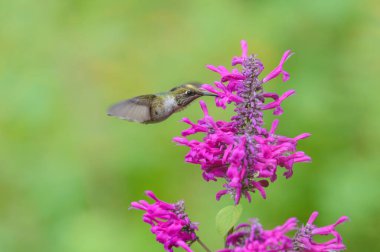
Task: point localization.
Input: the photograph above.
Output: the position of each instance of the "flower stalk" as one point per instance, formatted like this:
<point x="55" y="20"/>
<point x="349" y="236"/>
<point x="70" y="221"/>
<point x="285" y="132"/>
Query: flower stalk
<point x="203" y="245"/>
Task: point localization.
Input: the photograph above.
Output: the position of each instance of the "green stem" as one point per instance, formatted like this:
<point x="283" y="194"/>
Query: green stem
<point x="203" y="245"/>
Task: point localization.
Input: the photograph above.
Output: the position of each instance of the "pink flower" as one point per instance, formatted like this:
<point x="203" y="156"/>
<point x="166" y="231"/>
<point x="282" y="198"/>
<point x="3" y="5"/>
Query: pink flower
<point x="169" y="222"/>
<point x="303" y="240"/>
<point x="242" y="151"/>
<point x="278" y="70"/>
<point x="251" y="237"/>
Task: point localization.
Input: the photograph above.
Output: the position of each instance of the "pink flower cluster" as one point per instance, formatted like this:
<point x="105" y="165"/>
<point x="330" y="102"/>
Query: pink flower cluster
<point x="169" y="222"/>
<point x="247" y="156"/>
<point x="251" y="237"/>
<point x="242" y="151"/>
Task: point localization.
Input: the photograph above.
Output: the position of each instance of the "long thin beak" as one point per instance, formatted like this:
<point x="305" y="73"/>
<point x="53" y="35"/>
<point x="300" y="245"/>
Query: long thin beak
<point x="205" y="93"/>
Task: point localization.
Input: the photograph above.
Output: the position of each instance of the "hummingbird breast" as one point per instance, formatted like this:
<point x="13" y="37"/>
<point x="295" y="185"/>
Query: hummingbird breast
<point x="162" y="107"/>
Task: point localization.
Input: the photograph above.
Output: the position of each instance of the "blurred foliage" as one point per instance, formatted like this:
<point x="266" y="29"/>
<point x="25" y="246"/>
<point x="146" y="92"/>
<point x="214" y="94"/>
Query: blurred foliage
<point x="68" y="172"/>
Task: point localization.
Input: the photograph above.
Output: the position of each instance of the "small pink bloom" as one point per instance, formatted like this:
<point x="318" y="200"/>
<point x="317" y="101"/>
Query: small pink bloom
<point x="276" y="104"/>
<point x="239" y="60"/>
<point x="278" y="70"/>
<point x="303" y="240"/>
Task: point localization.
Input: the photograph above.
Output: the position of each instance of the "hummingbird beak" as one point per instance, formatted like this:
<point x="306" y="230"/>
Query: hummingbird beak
<point x="205" y="93"/>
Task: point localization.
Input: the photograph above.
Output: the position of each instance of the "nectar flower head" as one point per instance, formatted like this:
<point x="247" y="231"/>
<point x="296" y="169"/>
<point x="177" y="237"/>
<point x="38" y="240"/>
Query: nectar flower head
<point x="242" y="151"/>
<point x="251" y="237"/>
<point x="303" y="241"/>
<point x="169" y="222"/>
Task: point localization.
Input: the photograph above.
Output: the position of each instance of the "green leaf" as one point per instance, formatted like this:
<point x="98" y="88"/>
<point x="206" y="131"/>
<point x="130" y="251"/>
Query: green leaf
<point x="227" y="217"/>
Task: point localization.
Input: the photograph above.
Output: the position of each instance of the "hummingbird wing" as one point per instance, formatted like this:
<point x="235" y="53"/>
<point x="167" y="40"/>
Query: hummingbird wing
<point x="136" y="109"/>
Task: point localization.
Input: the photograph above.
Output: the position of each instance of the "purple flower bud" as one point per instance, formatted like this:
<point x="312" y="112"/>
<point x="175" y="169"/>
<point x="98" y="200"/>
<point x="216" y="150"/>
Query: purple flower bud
<point x="242" y="151"/>
<point x="169" y="222"/>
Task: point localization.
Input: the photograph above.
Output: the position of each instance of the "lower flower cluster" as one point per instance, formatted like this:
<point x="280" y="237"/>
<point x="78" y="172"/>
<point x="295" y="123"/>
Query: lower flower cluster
<point x="169" y="222"/>
<point x="173" y="228"/>
<point x="251" y="237"/>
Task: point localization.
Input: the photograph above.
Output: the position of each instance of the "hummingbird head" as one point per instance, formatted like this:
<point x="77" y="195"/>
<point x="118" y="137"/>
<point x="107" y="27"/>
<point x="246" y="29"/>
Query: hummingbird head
<point x="187" y="93"/>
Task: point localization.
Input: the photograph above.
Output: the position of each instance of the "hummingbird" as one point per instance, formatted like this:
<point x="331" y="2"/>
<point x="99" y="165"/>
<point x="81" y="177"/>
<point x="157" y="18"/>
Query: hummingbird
<point x="154" y="108"/>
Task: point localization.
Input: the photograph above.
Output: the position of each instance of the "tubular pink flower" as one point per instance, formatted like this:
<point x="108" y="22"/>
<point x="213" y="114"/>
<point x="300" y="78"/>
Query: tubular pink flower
<point x="276" y="104"/>
<point x="226" y="75"/>
<point x="242" y="152"/>
<point x="303" y="240"/>
<point x="239" y="60"/>
<point x="225" y="96"/>
<point x="169" y="222"/>
<point x="278" y="70"/>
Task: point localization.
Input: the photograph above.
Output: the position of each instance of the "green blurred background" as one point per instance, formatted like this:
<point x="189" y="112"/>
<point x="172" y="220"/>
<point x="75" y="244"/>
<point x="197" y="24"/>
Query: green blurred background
<point x="68" y="172"/>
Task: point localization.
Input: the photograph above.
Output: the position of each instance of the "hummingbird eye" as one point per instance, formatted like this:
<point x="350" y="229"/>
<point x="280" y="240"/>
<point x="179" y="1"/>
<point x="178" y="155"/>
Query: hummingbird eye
<point x="189" y="93"/>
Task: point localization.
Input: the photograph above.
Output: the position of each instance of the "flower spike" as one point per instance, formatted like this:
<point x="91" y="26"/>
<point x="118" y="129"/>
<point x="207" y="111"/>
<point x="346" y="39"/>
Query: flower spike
<point x="242" y="152"/>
